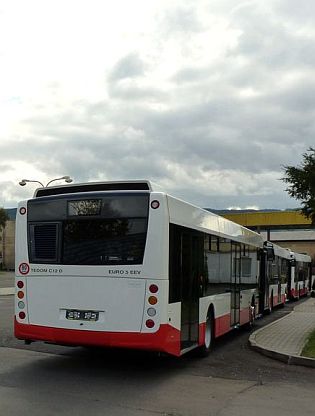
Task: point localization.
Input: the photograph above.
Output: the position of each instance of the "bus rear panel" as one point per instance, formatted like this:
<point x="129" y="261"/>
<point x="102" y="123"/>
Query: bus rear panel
<point x="91" y="269"/>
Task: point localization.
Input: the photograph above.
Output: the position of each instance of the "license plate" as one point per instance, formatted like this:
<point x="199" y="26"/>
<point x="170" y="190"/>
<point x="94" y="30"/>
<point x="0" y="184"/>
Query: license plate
<point x="77" y="315"/>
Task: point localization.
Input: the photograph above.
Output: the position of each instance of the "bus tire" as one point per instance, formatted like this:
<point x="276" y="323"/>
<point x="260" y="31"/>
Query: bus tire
<point x="204" y="350"/>
<point x="252" y="315"/>
<point x="271" y="303"/>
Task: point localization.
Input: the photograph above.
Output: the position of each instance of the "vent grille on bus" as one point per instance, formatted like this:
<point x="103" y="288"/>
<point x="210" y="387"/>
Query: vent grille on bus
<point x="43" y="242"/>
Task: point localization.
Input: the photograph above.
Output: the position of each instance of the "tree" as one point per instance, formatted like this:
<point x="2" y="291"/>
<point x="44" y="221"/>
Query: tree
<point x="301" y="183"/>
<point x="3" y="218"/>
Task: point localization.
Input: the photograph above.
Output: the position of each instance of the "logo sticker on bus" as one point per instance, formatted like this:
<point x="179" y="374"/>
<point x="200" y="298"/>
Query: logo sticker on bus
<point x="24" y="268"/>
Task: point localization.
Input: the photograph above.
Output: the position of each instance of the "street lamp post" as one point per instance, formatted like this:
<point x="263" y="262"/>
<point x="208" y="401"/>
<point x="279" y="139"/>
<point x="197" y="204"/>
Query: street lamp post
<point x="67" y="179"/>
<point x="25" y="181"/>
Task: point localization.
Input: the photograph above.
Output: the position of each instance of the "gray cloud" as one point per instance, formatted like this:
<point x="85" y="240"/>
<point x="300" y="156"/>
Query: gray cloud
<point x="300" y="13"/>
<point x="135" y="92"/>
<point x="180" y="19"/>
<point x="214" y="132"/>
<point x="130" y="66"/>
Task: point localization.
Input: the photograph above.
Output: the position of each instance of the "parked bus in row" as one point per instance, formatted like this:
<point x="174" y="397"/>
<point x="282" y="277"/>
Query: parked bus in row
<point x="301" y="277"/>
<point x="275" y="275"/>
<point x="284" y="275"/>
<point x="121" y="264"/>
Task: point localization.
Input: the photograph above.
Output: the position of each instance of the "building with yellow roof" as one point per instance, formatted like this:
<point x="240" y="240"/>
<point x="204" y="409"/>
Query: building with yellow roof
<point x="286" y="228"/>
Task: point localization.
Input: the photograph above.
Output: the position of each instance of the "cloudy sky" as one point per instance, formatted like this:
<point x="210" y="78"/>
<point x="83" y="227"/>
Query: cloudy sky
<point x="208" y="98"/>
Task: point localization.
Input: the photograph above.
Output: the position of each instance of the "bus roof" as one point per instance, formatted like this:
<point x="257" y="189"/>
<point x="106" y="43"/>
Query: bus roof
<point x="281" y="251"/>
<point x="302" y="257"/>
<point x="188" y="215"/>
<point x="181" y="212"/>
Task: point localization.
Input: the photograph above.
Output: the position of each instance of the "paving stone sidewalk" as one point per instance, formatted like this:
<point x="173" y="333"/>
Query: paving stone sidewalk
<point x="6" y="283"/>
<point x="285" y="338"/>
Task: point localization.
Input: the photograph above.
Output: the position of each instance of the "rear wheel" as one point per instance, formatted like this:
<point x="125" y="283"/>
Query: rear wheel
<point x="252" y="315"/>
<point x="205" y="349"/>
<point x="271" y="303"/>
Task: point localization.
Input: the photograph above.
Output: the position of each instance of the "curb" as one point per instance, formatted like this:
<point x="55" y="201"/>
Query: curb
<point x="285" y="358"/>
<point x="5" y="291"/>
<point x="277" y="355"/>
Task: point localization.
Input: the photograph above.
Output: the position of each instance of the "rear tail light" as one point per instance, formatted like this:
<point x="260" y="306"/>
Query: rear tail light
<point x="22" y="315"/>
<point x="155" y="204"/>
<point x="153" y="288"/>
<point x="20" y="295"/>
<point x="151" y="312"/>
<point x="152" y="300"/>
<point x="150" y="323"/>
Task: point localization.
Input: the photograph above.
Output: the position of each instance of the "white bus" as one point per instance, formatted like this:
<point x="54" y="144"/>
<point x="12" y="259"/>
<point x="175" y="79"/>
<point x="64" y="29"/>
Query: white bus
<point x="275" y="276"/>
<point x="120" y="264"/>
<point x="301" y="277"/>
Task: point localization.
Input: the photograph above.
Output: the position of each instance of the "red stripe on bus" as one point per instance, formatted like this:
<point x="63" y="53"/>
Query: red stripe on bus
<point x="244" y="316"/>
<point x="223" y="325"/>
<point x="275" y="300"/>
<point x="166" y="339"/>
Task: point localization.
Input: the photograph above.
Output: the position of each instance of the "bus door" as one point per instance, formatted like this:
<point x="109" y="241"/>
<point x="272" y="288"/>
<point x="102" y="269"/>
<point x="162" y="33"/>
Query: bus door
<point x="266" y="273"/>
<point x="236" y="284"/>
<point x="263" y="282"/>
<point x="291" y="279"/>
<point x="288" y="279"/>
<point x="296" y="280"/>
<point x="275" y="279"/>
<point x="269" y="282"/>
<point x="279" y="279"/>
<point x="192" y="264"/>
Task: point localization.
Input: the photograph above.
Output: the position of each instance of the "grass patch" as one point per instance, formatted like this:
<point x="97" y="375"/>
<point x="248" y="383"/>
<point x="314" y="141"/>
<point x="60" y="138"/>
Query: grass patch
<point x="309" y="348"/>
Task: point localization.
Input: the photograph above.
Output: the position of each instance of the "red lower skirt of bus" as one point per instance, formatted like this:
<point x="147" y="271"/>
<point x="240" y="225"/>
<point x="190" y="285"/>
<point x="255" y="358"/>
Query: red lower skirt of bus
<point x="166" y="339"/>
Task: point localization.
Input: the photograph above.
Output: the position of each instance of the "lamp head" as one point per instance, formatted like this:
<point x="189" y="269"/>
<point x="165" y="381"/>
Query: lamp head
<point x="67" y="179"/>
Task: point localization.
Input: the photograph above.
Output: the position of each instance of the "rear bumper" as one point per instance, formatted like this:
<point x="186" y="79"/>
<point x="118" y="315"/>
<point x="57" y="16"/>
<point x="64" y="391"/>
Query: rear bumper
<point x="166" y="339"/>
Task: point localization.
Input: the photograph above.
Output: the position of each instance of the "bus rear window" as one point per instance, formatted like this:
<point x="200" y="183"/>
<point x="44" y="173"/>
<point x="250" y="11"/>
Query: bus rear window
<point x="104" y="241"/>
<point x="105" y="230"/>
